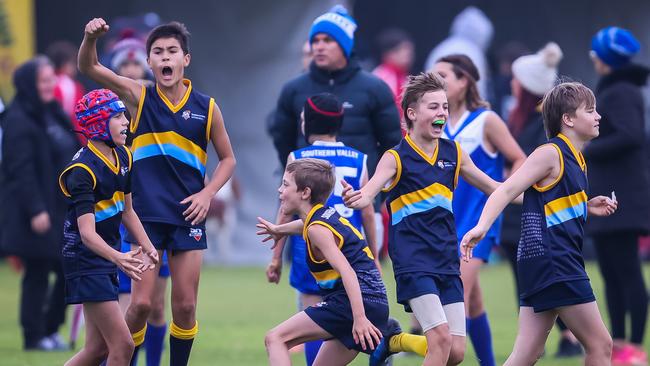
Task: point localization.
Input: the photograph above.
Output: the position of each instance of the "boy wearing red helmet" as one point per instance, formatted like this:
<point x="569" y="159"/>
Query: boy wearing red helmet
<point x="98" y="181"/>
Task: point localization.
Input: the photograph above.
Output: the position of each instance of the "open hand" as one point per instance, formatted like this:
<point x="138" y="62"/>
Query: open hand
<point x="129" y="263"/>
<point x="270" y="230"/>
<point x="149" y="260"/>
<point x="351" y="198"/>
<point x="199" y="206"/>
<point x="470" y="240"/>
<point x="365" y="333"/>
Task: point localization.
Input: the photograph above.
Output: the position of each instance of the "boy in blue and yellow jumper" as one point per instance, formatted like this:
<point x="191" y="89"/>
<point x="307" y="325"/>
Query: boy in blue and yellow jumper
<point x="420" y="175"/>
<point x="354" y="310"/>
<point x="172" y="126"/>
<point x="551" y="270"/>
<point x="98" y="183"/>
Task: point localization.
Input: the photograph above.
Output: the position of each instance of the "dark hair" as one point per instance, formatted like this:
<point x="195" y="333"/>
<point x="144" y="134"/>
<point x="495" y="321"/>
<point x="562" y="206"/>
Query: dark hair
<point x="526" y="106"/>
<point x="174" y="30"/>
<point x="323" y="115"/>
<point x="416" y="86"/>
<point x="61" y="53"/>
<point x="564" y="98"/>
<point x="463" y="67"/>
<point x="390" y="38"/>
<point x="315" y="174"/>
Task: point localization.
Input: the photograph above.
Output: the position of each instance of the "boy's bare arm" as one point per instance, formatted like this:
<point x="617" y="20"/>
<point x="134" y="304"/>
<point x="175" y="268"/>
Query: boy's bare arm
<point x="127" y="89"/>
<point x="386" y="172"/>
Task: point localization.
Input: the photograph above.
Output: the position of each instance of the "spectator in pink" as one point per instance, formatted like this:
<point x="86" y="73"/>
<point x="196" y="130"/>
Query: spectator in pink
<point x="68" y="90"/>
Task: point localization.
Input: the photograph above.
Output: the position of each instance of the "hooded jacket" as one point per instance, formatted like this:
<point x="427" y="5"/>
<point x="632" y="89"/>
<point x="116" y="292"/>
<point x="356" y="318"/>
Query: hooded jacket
<point x="470" y="34"/>
<point x="37" y="142"/>
<point x="370" y="119"/>
<point x="616" y="159"/>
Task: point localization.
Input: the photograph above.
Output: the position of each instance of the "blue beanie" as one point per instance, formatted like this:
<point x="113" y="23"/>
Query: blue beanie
<point x="339" y="25"/>
<point x="615" y="46"/>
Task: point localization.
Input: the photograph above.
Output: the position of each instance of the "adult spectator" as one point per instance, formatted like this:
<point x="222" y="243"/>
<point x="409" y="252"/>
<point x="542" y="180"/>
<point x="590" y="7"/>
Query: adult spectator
<point x="397" y="53"/>
<point x="68" y="90"/>
<point x="470" y="34"/>
<point x="36" y="144"/>
<point x="371" y="122"/>
<point x="616" y="162"/>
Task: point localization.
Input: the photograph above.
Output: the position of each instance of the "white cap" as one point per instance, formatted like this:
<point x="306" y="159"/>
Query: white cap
<point x="538" y="73"/>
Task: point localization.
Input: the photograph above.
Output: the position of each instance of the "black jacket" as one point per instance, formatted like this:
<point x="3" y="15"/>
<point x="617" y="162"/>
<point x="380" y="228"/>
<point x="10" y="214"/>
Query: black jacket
<point x="616" y="159"/>
<point x="36" y="144"/>
<point x="370" y="123"/>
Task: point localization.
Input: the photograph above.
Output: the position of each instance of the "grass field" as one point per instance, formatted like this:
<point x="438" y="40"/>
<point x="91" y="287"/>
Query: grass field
<point x="237" y="307"/>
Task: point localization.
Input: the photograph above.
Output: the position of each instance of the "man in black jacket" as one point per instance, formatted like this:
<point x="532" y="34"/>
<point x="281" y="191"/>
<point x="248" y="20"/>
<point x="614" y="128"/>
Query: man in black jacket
<point x="616" y="161"/>
<point x="371" y="122"/>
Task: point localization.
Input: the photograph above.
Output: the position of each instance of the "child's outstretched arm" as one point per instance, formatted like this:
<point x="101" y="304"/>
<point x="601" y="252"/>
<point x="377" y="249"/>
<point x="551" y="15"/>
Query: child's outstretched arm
<point x="133" y="224"/>
<point x="127" y="89"/>
<point x="368" y="223"/>
<point x="363" y="331"/>
<point x="542" y="164"/>
<point x="386" y="172"/>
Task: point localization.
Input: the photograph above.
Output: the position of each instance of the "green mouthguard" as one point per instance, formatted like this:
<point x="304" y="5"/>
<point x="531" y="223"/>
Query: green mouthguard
<point x="439" y="122"/>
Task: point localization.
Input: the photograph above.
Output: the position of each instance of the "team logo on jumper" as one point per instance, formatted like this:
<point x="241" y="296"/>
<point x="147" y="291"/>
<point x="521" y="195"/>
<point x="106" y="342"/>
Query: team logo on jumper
<point x="76" y="156"/>
<point x="446" y="164"/>
<point x="124" y="170"/>
<point x="320" y="304"/>
<point x="187" y="114"/>
<point x="196" y="233"/>
<point x="347" y="105"/>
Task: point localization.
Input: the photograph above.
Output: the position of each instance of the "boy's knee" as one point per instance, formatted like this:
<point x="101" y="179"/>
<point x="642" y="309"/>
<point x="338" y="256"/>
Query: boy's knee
<point x="140" y="308"/>
<point x="438" y="337"/>
<point x="157" y="314"/>
<point x="457" y="353"/>
<point x="600" y="345"/>
<point x="98" y="351"/>
<point x="184" y="309"/>
<point x="272" y="337"/>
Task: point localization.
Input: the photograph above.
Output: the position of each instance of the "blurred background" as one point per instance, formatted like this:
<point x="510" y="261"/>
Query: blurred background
<point x="243" y="52"/>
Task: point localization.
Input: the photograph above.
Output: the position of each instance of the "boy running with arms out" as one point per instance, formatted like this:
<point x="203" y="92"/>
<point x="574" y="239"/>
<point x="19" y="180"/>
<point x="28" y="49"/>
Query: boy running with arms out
<point x="322" y="119"/>
<point x="98" y="182"/>
<point x="420" y="175"/>
<point x="172" y="126"/>
<point x="552" y="277"/>
<point x="354" y="308"/>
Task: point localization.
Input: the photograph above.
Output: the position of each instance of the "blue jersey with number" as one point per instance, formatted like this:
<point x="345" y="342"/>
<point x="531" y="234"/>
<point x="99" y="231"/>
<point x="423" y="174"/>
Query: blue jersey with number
<point x="552" y="221"/>
<point x="469" y="200"/>
<point x="349" y="164"/>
